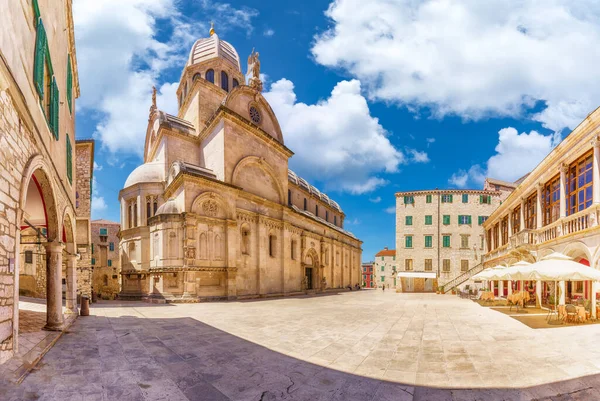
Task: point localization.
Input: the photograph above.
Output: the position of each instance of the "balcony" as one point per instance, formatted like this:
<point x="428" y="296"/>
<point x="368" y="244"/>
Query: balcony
<point x="530" y="239"/>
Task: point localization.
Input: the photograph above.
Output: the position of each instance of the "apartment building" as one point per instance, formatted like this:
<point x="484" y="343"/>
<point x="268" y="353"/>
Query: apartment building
<point x="368" y="278"/>
<point x="384" y="268"/>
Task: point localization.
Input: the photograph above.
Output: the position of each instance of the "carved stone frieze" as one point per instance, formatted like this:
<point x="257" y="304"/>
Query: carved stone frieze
<point x="245" y="217"/>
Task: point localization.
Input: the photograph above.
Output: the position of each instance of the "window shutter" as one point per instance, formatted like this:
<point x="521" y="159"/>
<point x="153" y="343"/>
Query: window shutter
<point x="480" y="198"/>
<point x="450" y="198"/>
<point x="69" y="84"/>
<point x="459" y="219"/>
<point x="109" y="263"/>
<point x="38" y="62"/>
<point x="93" y="261"/>
<point x="469" y="219"/>
<point x="490" y="199"/>
<point x="54" y="109"/>
<point x="69" y="161"/>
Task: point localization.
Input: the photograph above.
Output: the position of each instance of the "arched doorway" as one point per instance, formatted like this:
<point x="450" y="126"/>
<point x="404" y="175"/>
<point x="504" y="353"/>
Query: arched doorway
<point x="310" y="276"/>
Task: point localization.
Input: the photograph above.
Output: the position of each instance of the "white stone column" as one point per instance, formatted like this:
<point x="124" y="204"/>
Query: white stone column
<point x="538" y="206"/>
<point x="509" y="287"/>
<point x="492" y="286"/>
<point x="594" y="290"/>
<point x="500" y="289"/>
<point x="563" y="189"/>
<point x="596" y="172"/>
<point x="54" y="315"/>
<point x="72" y="284"/>
<point x="509" y="223"/>
<point x="538" y="293"/>
<point x="561" y="286"/>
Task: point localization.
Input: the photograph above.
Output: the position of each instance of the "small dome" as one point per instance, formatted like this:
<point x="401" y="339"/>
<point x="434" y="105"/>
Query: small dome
<point x="212" y="47"/>
<point x="169" y="207"/>
<point x="147" y="172"/>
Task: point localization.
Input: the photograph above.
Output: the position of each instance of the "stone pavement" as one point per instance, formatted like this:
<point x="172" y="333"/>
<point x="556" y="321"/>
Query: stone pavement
<point x="365" y="345"/>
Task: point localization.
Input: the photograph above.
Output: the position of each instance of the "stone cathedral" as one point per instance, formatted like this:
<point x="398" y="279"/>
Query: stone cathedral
<point x="214" y="212"/>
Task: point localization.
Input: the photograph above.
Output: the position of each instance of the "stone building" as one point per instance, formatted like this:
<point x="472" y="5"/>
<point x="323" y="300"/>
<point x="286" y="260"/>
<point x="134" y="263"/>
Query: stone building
<point x="439" y="235"/>
<point x="38" y="88"/>
<point x="106" y="276"/>
<point x="84" y="151"/>
<point x="384" y="268"/>
<point x="214" y="211"/>
<point x="556" y="208"/>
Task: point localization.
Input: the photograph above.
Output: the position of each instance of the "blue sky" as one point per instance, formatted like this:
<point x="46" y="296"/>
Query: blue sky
<point x="395" y="96"/>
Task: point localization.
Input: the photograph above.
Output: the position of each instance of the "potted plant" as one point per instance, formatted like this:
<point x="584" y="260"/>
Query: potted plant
<point x="454" y="291"/>
<point x="440" y="290"/>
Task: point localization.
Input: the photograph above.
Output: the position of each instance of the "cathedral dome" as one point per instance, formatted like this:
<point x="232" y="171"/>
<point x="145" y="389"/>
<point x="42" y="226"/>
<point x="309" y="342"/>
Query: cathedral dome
<point x="147" y="172"/>
<point x="212" y="47"/>
<point x="169" y="207"/>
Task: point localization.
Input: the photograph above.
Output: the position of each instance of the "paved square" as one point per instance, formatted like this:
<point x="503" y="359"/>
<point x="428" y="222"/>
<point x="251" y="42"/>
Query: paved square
<point x="358" y="345"/>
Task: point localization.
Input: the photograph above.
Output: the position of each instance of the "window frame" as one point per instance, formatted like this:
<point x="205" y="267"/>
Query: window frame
<point x="577" y="171"/>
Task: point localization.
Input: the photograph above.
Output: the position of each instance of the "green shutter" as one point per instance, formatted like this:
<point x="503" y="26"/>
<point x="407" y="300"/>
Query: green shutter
<point x="428" y="241"/>
<point x="428" y="220"/>
<point x="450" y="198"/>
<point x="480" y="198"/>
<point x="54" y="107"/>
<point x="69" y="161"/>
<point x="109" y="263"/>
<point x="69" y="84"/>
<point x="93" y="261"/>
<point x="490" y="199"/>
<point x="446" y="219"/>
<point x="408" y="242"/>
<point x="459" y="218"/>
<point x="446" y="241"/>
<point x="103" y="231"/>
<point x="469" y="219"/>
<point x="111" y="246"/>
<point x="428" y="199"/>
<point x="38" y="62"/>
<point x="408" y="220"/>
<point x="36" y="11"/>
<point x="465" y="198"/>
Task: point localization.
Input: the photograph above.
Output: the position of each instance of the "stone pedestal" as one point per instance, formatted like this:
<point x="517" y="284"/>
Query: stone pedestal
<point x="71" y="285"/>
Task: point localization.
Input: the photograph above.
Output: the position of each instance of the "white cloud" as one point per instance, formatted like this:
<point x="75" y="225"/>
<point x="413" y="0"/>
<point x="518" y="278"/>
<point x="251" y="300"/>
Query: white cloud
<point x="390" y="210"/>
<point x="120" y="58"/>
<point x="470" y="58"/>
<point x="97" y="167"/>
<point x="375" y="200"/>
<point x="418" y="156"/>
<point x="98" y="204"/>
<point x="430" y="141"/>
<point x="516" y="155"/>
<point x="269" y="32"/>
<point x="336" y="141"/>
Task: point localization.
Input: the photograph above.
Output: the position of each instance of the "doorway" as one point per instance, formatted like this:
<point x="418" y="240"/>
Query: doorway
<point x="309" y="277"/>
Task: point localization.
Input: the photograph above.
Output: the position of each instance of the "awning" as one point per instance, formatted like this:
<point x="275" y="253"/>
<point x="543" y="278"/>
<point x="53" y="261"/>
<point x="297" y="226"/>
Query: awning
<point x="416" y="274"/>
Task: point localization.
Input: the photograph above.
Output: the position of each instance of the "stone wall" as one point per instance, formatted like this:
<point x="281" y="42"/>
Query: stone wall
<point x="106" y="280"/>
<point x="84" y="159"/>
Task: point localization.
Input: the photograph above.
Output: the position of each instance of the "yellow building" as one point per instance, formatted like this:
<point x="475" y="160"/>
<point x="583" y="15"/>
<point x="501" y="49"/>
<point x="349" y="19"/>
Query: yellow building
<point x="38" y="88"/>
<point x="554" y="209"/>
<point x="214" y="211"/>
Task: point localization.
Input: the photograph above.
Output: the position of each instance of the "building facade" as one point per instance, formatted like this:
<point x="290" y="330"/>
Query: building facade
<point x="368" y="277"/>
<point x="384" y="268"/>
<point x="84" y="153"/>
<point x="106" y="266"/>
<point x="556" y="208"/>
<point x="38" y="88"/>
<point x="439" y="235"/>
<point x="214" y="211"/>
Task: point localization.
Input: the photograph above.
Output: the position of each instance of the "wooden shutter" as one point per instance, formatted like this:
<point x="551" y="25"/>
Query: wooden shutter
<point x="54" y="106"/>
<point x="69" y="161"/>
<point x="469" y="219"/>
<point x="69" y="84"/>
<point x="39" y="58"/>
<point x="450" y="198"/>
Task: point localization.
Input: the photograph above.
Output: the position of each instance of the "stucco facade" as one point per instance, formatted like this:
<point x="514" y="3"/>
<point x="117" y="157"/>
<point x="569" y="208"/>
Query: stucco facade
<point x="38" y="88"/>
<point x="439" y="235"/>
<point x="384" y="269"/>
<point x="214" y="211"/>
<point x="556" y="208"/>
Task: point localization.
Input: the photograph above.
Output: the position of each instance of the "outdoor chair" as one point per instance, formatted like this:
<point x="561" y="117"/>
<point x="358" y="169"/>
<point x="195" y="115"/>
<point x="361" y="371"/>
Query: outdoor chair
<point x="572" y="315"/>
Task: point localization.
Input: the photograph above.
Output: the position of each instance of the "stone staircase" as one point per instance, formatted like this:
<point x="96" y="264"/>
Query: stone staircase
<point x="458" y="280"/>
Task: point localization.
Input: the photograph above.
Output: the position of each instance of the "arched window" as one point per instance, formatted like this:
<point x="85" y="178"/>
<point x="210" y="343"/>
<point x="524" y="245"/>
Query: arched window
<point x="335" y="220"/>
<point x="224" y="81"/>
<point x="196" y="76"/>
<point x="218" y="247"/>
<point x="135" y="214"/>
<point x="289" y="197"/>
<point x="185" y="91"/>
<point x="148" y="209"/>
<point x="304" y="203"/>
<point x="155" y="207"/>
<point x="235" y="83"/>
<point x="210" y="76"/>
<point x="317" y="210"/>
<point x="245" y="240"/>
<point x="293" y="249"/>
<point x="326" y="215"/>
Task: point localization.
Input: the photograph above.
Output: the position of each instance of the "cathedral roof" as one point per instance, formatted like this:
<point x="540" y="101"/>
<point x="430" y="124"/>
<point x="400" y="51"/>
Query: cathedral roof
<point x="147" y="172"/>
<point x="212" y="47"/>
<point x="301" y="182"/>
<point x="169" y="207"/>
<point x="321" y="220"/>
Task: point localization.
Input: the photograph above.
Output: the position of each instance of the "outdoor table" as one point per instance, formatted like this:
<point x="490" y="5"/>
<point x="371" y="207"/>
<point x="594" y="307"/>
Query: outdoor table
<point x="487" y="296"/>
<point x="519" y="298"/>
<point x="581" y="313"/>
<point x="562" y="312"/>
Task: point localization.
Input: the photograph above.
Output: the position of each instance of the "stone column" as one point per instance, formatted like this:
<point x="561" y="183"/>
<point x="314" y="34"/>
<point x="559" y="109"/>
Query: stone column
<point x="54" y="315"/>
<point x="538" y="293"/>
<point x="538" y="206"/>
<point x="509" y="287"/>
<point x="232" y="241"/>
<point x="72" y="284"/>
<point x="510" y="228"/>
<point x="561" y="286"/>
<point x="500" y="289"/>
<point x="492" y="286"/>
<point x="596" y="172"/>
<point x="522" y="217"/>
<point x="563" y="188"/>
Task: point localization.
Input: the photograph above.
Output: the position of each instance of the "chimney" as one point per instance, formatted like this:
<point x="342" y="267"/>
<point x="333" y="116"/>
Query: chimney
<point x="385" y="248"/>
